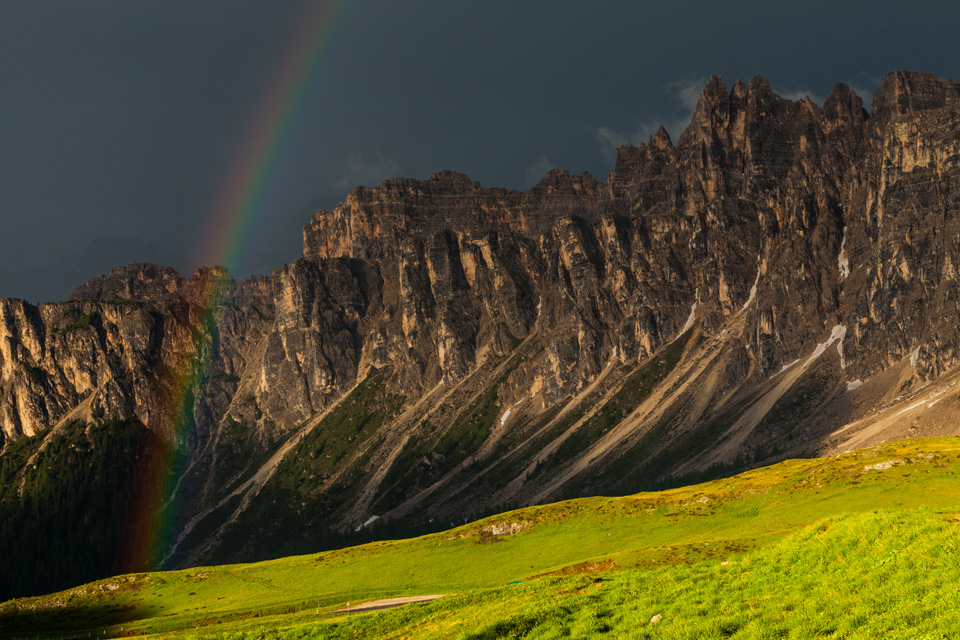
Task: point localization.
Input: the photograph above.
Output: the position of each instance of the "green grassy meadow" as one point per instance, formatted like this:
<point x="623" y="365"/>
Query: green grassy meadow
<point x="866" y="545"/>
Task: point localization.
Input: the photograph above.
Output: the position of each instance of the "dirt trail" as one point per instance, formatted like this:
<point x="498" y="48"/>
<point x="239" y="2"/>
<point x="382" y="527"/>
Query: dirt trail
<point x="387" y="603"/>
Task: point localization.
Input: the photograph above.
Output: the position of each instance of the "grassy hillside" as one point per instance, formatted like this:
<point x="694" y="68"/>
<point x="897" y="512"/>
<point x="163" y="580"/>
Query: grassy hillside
<point x="863" y="545"/>
<point x="64" y="517"/>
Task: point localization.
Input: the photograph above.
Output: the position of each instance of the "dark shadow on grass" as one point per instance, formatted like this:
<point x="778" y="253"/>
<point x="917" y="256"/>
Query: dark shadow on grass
<point x="58" y="619"/>
<point x="515" y="627"/>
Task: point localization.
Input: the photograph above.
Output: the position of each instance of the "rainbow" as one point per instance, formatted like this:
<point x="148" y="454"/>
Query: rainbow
<point x="236" y="209"/>
<point x="243" y="190"/>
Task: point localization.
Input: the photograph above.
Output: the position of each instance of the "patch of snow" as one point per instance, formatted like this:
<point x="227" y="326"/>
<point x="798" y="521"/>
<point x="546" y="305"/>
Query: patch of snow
<point x="854" y="385"/>
<point x="842" y="262"/>
<point x="506" y="414"/>
<point x="691" y="318"/>
<point x="839" y="331"/>
<point x="913" y="357"/>
<point x="787" y="366"/>
<point x="613" y="355"/>
<point x="753" y="292"/>
<point x="369" y="522"/>
<point x="926" y="401"/>
<point x="911" y="407"/>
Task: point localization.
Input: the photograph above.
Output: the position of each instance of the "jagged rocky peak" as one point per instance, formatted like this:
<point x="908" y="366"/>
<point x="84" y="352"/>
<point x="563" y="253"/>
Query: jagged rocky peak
<point x="739" y="90"/>
<point x="560" y="179"/>
<point x="903" y="92"/>
<point x="139" y="281"/>
<point x="720" y="111"/>
<point x="208" y="285"/>
<point x="661" y="140"/>
<point x="147" y="282"/>
<point x="714" y="93"/>
<point x="844" y="102"/>
<point x="372" y="222"/>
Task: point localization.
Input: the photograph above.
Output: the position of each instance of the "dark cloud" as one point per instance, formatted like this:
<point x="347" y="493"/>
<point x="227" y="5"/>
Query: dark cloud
<point x="358" y="171"/>
<point x="121" y="119"/>
<point x="674" y="116"/>
<point x="536" y="170"/>
<point x="54" y="279"/>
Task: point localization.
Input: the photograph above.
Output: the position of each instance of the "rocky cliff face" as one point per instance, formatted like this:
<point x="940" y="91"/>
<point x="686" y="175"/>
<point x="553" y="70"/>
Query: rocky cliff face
<point x="120" y="354"/>
<point x="773" y="284"/>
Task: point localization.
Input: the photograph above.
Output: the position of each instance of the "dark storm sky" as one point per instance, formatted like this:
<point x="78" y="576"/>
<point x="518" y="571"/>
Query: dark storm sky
<point x="119" y="118"/>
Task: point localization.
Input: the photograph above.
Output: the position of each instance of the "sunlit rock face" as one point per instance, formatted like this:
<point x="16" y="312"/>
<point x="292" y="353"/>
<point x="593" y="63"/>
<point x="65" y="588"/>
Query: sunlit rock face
<point x="709" y="304"/>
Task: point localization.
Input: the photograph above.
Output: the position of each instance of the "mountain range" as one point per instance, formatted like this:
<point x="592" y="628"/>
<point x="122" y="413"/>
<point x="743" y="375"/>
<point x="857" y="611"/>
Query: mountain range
<point x="780" y="282"/>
